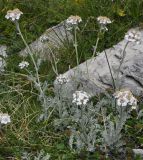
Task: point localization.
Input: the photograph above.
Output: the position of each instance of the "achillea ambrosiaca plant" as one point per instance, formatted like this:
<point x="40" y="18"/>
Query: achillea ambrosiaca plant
<point x="23" y="64"/>
<point x="103" y="21"/>
<point x="73" y="20"/>
<point x="90" y="124"/>
<point x="80" y="98"/>
<point x="44" y="38"/>
<point x="133" y="36"/>
<point x="125" y="97"/>
<point x="61" y="79"/>
<point x="4" y="118"/>
<point x="72" y="24"/>
<point x="13" y="15"/>
<point x="81" y="120"/>
<point x="115" y="121"/>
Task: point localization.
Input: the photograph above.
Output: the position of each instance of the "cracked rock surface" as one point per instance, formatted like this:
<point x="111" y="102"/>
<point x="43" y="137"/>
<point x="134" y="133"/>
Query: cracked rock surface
<point x="93" y="76"/>
<point x="51" y="40"/>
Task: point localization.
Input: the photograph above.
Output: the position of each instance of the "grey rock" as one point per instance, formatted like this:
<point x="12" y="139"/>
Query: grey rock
<point x="50" y="41"/>
<point x="3" y="55"/>
<point x="93" y="76"/>
<point x="138" y="152"/>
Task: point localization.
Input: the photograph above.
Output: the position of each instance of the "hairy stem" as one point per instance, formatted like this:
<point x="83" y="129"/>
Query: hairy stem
<point x="122" y="60"/>
<point x="35" y="65"/>
<point x="75" y="44"/>
<point x="96" y="45"/>
<point x="54" y="66"/>
<point x="114" y="85"/>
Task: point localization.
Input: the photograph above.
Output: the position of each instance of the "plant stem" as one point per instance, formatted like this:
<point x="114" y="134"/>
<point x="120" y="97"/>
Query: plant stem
<point x="104" y="123"/>
<point x="75" y="45"/>
<point x="85" y="25"/>
<point x="95" y="47"/>
<point x="97" y="41"/>
<point x="122" y="60"/>
<point x="54" y="66"/>
<point x="33" y="60"/>
<point x="28" y="48"/>
<point x="114" y="85"/>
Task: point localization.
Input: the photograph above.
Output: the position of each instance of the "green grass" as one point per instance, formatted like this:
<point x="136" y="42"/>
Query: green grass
<point x="24" y="134"/>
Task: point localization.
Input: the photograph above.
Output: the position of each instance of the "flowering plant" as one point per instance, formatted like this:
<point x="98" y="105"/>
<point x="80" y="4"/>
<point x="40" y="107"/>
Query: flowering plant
<point x="80" y="98"/>
<point x="23" y="64"/>
<point x="73" y="20"/>
<point x="4" y="118"/>
<point x="13" y="15"/>
<point x="103" y="21"/>
<point x="61" y="79"/>
<point x="133" y="36"/>
<point x="124" y="97"/>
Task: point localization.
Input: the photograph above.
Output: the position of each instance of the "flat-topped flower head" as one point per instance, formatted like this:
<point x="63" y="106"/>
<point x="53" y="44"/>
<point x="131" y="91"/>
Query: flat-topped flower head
<point x="125" y="97"/>
<point x="13" y="15"/>
<point x="103" y="21"/>
<point x="73" y="20"/>
<point x="61" y="79"/>
<point x="44" y="38"/>
<point x="23" y="64"/>
<point x="80" y="98"/>
<point x="134" y="107"/>
<point x="4" y="118"/>
<point x="133" y="36"/>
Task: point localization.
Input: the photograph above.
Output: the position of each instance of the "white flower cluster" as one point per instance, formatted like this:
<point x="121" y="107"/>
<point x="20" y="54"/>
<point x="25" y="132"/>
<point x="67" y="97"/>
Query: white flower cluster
<point x="73" y="20"/>
<point x="133" y="36"/>
<point x="61" y="79"/>
<point x="4" y="118"/>
<point x="13" y="15"/>
<point x="125" y="97"/>
<point x="80" y="98"/>
<point x="23" y="64"/>
<point x="103" y="21"/>
<point x="44" y="38"/>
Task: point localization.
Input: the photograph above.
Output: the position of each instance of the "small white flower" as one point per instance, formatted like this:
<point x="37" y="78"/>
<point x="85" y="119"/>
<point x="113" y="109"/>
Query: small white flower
<point x="13" y="15"/>
<point x="103" y="21"/>
<point x="133" y="36"/>
<point x="23" y="64"/>
<point x="73" y="20"/>
<point x="122" y="102"/>
<point x="44" y="38"/>
<point x="61" y="79"/>
<point x="80" y="98"/>
<point x="133" y="101"/>
<point x="4" y="118"/>
<point x="125" y="97"/>
<point x="134" y="107"/>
